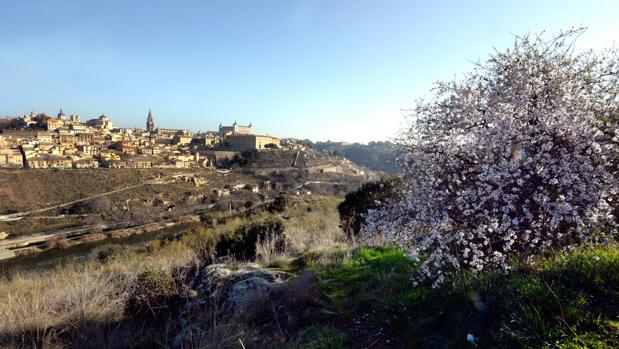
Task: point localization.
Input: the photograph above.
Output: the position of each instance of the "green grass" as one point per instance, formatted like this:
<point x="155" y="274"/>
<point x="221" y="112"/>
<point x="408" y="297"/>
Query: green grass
<point x="560" y="301"/>
<point x="317" y="337"/>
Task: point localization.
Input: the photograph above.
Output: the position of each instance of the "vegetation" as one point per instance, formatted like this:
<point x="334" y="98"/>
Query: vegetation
<point x="376" y="156"/>
<point x="370" y="196"/>
<point x="560" y="301"/>
<point x="509" y="162"/>
<point x="151" y="294"/>
<point x="279" y="204"/>
<point x="504" y="203"/>
<point x="241" y="243"/>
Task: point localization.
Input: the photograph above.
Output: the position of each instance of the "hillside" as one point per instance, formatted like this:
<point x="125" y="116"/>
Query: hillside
<point x="376" y="156"/>
<point x="320" y="292"/>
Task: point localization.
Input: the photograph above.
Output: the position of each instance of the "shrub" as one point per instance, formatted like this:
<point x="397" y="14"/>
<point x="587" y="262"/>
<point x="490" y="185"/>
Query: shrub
<point x="508" y="162"/>
<point x="151" y="294"/>
<point x="357" y="203"/>
<point x="203" y="243"/>
<point x="113" y="253"/>
<point x="279" y="204"/>
<point x="242" y="242"/>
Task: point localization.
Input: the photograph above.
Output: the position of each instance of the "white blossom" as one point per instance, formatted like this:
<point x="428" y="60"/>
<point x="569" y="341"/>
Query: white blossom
<point x="516" y="158"/>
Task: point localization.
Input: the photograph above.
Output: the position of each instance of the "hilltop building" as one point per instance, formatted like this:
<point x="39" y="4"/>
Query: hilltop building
<point x="61" y="115"/>
<point x="102" y="123"/>
<point x="251" y="141"/>
<point x="235" y="129"/>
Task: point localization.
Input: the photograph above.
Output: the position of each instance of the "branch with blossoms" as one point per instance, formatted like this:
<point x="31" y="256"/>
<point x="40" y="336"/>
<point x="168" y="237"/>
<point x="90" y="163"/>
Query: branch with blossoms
<point x="519" y="157"/>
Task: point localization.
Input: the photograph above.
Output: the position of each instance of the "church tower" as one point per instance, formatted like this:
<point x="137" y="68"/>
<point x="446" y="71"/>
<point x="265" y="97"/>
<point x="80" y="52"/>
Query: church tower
<point x="150" y="124"/>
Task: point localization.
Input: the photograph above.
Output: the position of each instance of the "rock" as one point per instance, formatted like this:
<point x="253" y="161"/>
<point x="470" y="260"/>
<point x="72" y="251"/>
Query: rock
<point x="246" y="293"/>
<point x="224" y="292"/>
<point x="3" y="235"/>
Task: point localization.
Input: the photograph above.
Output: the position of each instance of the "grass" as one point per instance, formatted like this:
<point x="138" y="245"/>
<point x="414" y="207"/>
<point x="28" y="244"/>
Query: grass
<point x="317" y="337"/>
<point x="81" y="303"/>
<point x="562" y="301"/>
<point x="557" y="301"/>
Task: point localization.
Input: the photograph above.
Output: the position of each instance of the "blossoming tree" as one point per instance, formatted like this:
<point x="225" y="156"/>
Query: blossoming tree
<point x="516" y="158"/>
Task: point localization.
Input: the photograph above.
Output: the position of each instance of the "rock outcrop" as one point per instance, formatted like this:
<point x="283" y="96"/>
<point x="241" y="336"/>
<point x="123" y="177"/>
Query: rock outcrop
<point x="223" y="292"/>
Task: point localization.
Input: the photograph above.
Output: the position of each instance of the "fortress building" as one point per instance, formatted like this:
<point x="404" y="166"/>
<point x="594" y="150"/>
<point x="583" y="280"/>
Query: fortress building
<point x="235" y="129"/>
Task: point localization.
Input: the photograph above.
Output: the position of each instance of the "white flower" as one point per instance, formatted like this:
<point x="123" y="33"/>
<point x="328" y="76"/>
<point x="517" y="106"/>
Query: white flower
<point x="536" y="178"/>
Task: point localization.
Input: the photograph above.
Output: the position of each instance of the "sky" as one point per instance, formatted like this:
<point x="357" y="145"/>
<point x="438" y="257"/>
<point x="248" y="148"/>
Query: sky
<point x="344" y="70"/>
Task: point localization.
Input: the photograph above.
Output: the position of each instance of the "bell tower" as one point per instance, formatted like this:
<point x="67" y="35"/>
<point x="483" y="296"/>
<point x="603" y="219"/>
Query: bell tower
<point x="150" y="124"/>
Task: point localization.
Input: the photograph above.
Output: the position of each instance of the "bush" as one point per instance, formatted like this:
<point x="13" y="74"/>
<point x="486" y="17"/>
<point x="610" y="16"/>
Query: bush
<point x="279" y="204"/>
<point x="113" y="253"/>
<point x="151" y="295"/>
<point x="509" y="162"/>
<point x="357" y="203"/>
<point x="242" y="242"/>
<point x="203" y="242"/>
<point x="99" y="205"/>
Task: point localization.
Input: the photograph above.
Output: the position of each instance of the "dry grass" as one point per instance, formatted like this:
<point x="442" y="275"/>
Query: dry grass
<point x="40" y="308"/>
<point x="314" y="223"/>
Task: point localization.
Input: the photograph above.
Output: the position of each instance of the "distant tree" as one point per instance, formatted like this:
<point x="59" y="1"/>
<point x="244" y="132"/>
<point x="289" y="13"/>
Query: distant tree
<point x="12" y="124"/>
<point x="40" y="122"/>
<point x="279" y="204"/>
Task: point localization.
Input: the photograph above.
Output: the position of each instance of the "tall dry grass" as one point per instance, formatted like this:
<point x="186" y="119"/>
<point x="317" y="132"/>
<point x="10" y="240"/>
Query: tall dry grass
<point x="39" y="309"/>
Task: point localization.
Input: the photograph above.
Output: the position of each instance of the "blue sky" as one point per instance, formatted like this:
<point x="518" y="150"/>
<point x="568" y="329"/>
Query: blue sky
<point x="319" y="69"/>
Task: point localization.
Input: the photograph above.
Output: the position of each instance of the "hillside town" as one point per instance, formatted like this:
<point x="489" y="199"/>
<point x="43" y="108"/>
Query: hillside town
<point x="38" y="141"/>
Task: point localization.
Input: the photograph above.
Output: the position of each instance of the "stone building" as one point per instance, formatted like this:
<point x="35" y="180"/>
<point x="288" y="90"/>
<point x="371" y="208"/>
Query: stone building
<point x="102" y="123"/>
<point x="11" y="157"/>
<point x="250" y="141"/>
<point x="49" y="161"/>
<point x="235" y="129"/>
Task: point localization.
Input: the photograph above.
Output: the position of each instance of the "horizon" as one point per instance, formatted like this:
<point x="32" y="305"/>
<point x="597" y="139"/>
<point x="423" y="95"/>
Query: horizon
<point x="345" y="71"/>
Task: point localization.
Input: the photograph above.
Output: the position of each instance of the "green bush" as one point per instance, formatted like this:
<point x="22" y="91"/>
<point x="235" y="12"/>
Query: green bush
<point x="152" y="295"/>
<point x="279" y="204"/>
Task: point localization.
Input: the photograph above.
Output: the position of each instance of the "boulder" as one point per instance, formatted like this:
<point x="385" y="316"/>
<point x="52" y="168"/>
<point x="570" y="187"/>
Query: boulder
<point x="222" y="291"/>
<point x="3" y="235"/>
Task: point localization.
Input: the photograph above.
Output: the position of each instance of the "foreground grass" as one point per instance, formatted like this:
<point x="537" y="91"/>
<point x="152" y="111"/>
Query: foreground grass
<point x="81" y="303"/>
<point x="569" y="301"/>
<point x="557" y="301"/>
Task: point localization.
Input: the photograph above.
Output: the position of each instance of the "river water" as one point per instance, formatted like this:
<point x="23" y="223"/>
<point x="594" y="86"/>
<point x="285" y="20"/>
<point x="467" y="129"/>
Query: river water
<point x="52" y="257"/>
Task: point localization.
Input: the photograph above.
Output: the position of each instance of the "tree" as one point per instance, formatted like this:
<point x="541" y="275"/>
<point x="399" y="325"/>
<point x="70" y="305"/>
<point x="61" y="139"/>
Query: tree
<point x="514" y="159"/>
<point x="355" y="206"/>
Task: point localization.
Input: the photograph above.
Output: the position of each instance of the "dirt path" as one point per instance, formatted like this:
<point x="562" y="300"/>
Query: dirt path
<point x="20" y="215"/>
